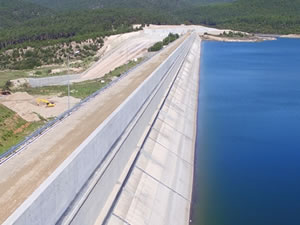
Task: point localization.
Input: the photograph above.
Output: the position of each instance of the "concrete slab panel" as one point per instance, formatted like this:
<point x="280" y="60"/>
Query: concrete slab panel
<point x="167" y="167"/>
<point x="148" y="206"/>
<point x="114" y="220"/>
<point x="179" y="143"/>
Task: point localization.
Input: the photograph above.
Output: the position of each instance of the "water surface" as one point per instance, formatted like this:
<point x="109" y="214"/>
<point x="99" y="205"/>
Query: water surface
<point x="248" y="143"/>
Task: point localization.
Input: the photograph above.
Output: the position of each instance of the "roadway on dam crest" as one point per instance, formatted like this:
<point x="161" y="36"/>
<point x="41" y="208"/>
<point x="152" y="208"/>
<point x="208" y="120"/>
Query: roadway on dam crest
<point x="159" y="188"/>
<point x="21" y="175"/>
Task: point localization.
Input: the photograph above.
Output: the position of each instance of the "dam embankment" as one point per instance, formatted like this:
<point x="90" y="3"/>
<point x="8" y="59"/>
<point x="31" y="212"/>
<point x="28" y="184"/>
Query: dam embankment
<point x="154" y="126"/>
<point x="159" y="188"/>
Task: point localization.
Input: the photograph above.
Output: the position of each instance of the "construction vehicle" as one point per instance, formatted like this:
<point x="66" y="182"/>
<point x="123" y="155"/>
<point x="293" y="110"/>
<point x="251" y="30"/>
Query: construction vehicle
<point x="48" y="103"/>
<point x="5" y="92"/>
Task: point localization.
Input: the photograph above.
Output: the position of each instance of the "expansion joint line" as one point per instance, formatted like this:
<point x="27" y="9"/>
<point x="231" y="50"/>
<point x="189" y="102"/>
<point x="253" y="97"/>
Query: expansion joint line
<point x="158" y="181"/>
<point x="120" y="218"/>
<point x="185" y="105"/>
<point x="163" y="121"/>
<point x="178" y="156"/>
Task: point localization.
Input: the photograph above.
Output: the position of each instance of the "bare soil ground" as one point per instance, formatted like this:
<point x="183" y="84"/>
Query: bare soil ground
<point x="26" y="105"/>
<point x="118" y="50"/>
<point x="291" y="36"/>
<point x="21" y="175"/>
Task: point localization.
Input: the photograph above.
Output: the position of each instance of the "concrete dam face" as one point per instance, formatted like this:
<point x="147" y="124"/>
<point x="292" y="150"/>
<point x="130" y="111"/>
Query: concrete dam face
<point x="137" y="166"/>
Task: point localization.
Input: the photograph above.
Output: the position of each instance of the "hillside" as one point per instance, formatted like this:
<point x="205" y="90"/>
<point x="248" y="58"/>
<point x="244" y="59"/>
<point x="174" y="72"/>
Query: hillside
<point x="96" y="4"/>
<point x="15" y="12"/>
<point x="80" y="25"/>
<point x="258" y="16"/>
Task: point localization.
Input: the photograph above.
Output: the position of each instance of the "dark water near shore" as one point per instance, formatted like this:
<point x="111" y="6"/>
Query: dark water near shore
<point x="248" y="145"/>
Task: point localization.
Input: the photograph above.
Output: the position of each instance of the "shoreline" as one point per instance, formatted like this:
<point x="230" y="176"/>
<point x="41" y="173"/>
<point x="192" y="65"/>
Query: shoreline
<point x="209" y="37"/>
<point x="297" y="36"/>
<point x="256" y="38"/>
<point x="195" y="138"/>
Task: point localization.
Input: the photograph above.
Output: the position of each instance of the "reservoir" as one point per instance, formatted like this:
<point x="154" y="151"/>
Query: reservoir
<point x="247" y="166"/>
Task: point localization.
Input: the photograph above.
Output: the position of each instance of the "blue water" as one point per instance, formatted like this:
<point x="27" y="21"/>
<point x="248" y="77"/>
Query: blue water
<point x="248" y="144"/>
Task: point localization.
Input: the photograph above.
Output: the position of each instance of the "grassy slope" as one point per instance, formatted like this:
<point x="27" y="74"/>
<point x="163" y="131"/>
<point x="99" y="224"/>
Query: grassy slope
<point x="13" y="128"/>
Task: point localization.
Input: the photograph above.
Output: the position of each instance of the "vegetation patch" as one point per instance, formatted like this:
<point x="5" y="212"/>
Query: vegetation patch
<point x="75" y="26"/>
<point x="231" y="34"/>
<point x="255" y="16"/>
<point x="13" y="128"/>
<point x="159" y="45"/>
<point x="27" y="58"/>
<point x="156" y="47"/>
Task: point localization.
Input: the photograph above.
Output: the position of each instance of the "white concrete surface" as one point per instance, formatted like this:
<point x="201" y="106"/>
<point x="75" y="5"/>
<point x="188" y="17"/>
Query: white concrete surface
<point x="159" y="188"/>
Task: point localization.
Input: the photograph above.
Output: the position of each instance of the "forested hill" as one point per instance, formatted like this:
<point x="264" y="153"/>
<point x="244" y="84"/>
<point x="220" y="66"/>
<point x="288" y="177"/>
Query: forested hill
<point x="80" y="25"/>
<point x="26" y="23"/>
<point x="30" y="21"/>
<point x="95" y="4"/>
<point x="258" y="16"/>
<point x="14" y="12"/>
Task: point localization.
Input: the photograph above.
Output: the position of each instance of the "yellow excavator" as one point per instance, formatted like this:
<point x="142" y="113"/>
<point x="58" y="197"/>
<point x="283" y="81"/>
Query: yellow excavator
<point x="48" y="103"/>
